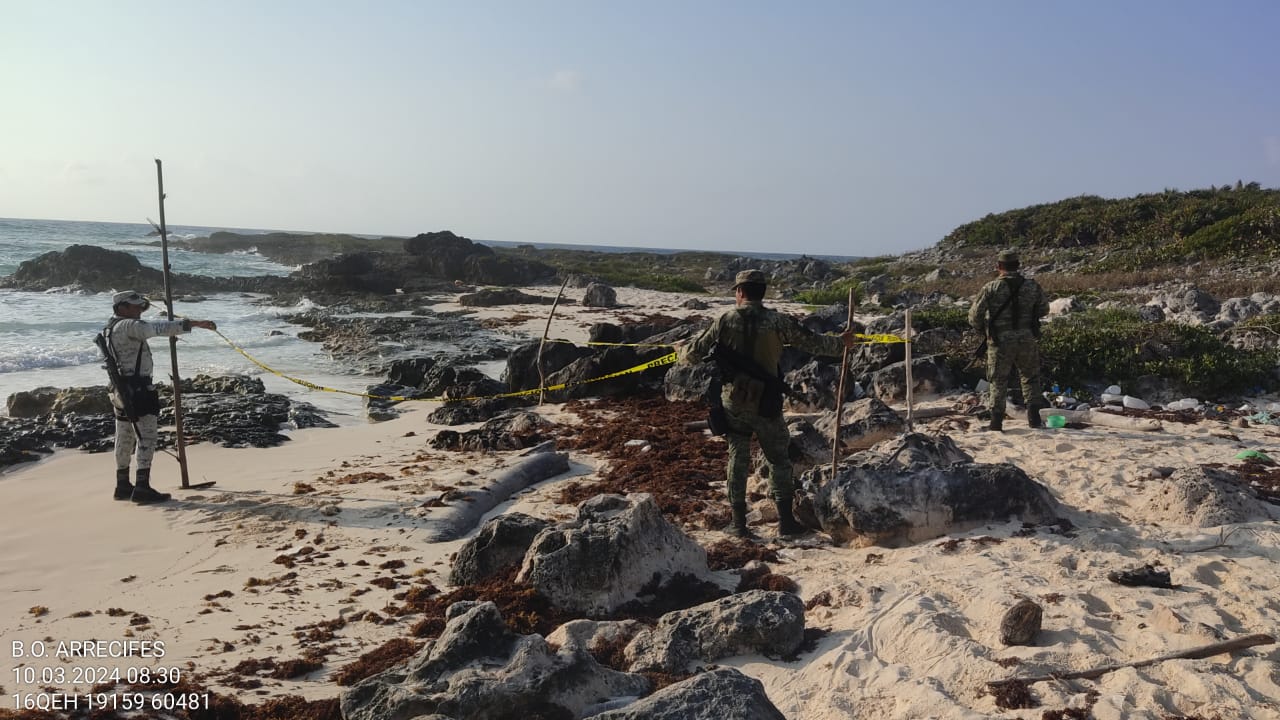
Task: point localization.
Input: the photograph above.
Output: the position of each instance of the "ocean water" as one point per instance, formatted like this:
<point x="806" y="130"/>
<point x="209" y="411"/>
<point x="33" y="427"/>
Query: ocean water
<point x="46" y="338"/>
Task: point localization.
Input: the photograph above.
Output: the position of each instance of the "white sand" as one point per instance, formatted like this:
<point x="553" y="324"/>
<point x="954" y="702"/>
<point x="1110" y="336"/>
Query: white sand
<point x="914" y="632"/>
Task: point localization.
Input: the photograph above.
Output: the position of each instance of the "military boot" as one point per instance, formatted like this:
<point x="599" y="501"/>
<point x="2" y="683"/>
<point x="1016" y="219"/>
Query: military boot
<point x="124" y="488"/>
<point x="787" y="524"/>
<point x="142" y="492"/>
<point x="738" y="528"/>
<point x="996" y="424"/>
<point x="1033" y="417"/>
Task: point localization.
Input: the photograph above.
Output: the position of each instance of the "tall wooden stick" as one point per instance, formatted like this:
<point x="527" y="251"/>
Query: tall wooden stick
<point x="844" y="369"/>
<point x="911" y="385"/>
<point x="542" y="379"/>
<point x="173" y="341"/>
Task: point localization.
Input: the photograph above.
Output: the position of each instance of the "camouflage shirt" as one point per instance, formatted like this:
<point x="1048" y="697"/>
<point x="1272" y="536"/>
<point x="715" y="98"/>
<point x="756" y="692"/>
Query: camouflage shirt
<point x="1021" y="315"/>
<point x="772" y="331"/>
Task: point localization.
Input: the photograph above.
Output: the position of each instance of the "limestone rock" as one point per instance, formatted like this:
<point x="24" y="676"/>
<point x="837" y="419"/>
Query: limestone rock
<point x="929" y="376"/>
<point x="917" y="487"/>
<point x="864" y="423"/>
<point x="83" y="401"/>
<point x="478" y="669"/>
<point x="617" y="547"/>
<point x="500" y="544"/>
<point x="720" y="694"/>
<point x="600" y="295"/>
<point x="756" y="621"/>
<point x="32" y="403"/>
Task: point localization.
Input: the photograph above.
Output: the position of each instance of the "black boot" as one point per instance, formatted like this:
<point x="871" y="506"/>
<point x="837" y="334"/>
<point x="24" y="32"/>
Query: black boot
<point x="1033" y="417"/>
<point x="996" y="424"/>
<point x="124" y="488"/>
<point x="787" y="524"/>
<point x="142" y="492"/>
<point x="738" y="528"/>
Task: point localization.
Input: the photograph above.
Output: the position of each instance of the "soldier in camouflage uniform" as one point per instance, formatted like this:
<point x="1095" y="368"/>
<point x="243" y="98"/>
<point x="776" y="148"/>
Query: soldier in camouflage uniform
<point x="1008" y="311"/>
<point x="757" y="333"/>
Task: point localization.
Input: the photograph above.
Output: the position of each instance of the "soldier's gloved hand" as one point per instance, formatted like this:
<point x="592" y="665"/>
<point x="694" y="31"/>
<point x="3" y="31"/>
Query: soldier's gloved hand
<point x="206" y="324"/>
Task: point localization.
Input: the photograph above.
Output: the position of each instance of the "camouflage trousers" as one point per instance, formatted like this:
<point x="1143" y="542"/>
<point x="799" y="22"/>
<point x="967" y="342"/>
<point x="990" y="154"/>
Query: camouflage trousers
<point x="774" y="440"/>
<point x="126" y="440"/>
<point x="1018" y="352"/>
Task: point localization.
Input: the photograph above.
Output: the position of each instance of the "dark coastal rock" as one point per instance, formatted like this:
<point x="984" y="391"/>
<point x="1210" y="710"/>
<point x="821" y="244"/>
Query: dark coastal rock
<point x="224" y="385"/>
<point x="379" y="405"/>
<point x="409" y="371"/>
<point x="719" y="694"/>
<point x="917" y="487"/>
<point x="32" y="403"/>
<point x="685" y="382"/>
<point x="617" y="550"/>
<point x="463" y="413"/>
<point x="233" y="420"/>
<point x="511" y="431"/>
<point x="493" y="297"/>
<point x="96" y="269"/>
<point x="87" y="266"/>
<point x="929" y="376"/>
<point x="452" y="257"/>
<point x="25" y="439"/>
<point x="522" y="364"/>
<point x="499" y="545"/>
<point x="360" y="272"/>
<point x="694" y="304"/>
<point x="813" y="387"/>
<point x="600" y="295"/>
<point x="1021" y="623"/>
<point x="863" y="424"/>
<point x="479" y="670"/>
<point x="757" y="621"/>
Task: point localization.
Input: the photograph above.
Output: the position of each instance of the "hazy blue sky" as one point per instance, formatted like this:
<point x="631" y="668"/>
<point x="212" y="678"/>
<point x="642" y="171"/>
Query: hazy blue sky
<point x="849" y="128"/>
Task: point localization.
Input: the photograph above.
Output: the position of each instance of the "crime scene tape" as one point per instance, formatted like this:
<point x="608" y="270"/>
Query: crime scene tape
<point x="883" y="338"/>
<point x="668" y="359"/>
<point x="875" y="339"/>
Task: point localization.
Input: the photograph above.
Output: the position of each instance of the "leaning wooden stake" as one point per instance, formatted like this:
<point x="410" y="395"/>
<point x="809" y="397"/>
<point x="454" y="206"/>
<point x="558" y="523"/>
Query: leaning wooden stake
<point x="911" y="383"/>
<point x="1196" y="653"/>
<point x="173" y="341"/>
<point x="542" y="380"/>
<point x="844" y="369"/>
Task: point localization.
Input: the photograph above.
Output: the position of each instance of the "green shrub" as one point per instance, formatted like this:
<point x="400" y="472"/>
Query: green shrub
<point x="1115" y="346"/>
<point x="836" y="293"/>
<point x="935" y="316"/>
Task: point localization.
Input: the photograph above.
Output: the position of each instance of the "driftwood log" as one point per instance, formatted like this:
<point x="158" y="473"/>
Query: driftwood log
<point x="468" y="506"/>
<point x="1195" y="653"/>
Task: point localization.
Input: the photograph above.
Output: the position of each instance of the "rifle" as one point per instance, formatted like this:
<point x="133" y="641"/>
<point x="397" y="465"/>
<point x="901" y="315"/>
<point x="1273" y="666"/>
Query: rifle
<point x="731" y="362"/>
<point x="123" y="389"/>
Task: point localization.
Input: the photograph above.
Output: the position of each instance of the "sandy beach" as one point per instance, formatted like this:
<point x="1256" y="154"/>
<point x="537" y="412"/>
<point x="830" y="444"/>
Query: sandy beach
<point x="298" y="551"/>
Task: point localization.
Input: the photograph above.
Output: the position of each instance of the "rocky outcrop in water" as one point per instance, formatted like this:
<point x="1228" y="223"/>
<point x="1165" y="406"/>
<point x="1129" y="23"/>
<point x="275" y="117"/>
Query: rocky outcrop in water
<point x="94" y="269"/>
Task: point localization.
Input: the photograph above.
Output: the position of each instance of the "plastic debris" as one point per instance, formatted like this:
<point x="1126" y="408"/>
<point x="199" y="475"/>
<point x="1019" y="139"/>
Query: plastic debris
<point x="1183" y="404"/>
<point x="1253" y="455"/>
<point x="1056" y="421"/>
<point x="1134" y="403"/>
<point x="1113" y="390"/>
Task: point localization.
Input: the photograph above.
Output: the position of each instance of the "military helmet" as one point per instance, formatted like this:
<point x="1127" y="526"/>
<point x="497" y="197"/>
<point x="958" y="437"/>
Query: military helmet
<point x="750" y="276"/>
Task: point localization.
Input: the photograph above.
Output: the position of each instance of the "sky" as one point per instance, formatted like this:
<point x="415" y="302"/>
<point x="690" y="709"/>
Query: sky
<point x="836" y="128"/>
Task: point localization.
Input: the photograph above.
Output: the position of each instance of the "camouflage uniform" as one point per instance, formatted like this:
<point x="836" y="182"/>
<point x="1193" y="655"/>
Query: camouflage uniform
<point x="741" y="393"/>
<point x="1011" y="340"/>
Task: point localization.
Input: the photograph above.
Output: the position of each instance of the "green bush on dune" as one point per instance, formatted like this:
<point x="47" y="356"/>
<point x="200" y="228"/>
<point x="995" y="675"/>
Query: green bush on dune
<point x="1119" y="347"/>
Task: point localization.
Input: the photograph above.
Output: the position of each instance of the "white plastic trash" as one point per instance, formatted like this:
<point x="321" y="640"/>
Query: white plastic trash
<point x="1112" y="398"/>
<point x="1134" y="403"/>
<point x="1112" y="390"/>
<point x="1183" y="404"/>
<point x="982" y="387"/>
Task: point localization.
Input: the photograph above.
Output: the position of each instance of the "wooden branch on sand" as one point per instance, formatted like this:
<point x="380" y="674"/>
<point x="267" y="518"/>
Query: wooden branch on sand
<point x="542" y="378"/>
<point x="1196" y="653"/>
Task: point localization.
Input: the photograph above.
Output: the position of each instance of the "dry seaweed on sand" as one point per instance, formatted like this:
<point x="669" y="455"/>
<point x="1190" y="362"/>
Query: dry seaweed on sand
<point x="678" y="468"/>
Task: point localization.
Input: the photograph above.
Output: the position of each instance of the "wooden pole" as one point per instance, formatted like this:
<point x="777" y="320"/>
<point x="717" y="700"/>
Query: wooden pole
<point x="844" y="370"/>
<point x="173" y="341"/>
<point x="911" y="385"/>
<point x="542" y="379"/>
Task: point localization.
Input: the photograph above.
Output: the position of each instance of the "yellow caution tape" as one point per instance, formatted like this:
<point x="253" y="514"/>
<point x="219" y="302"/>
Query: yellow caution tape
<point x="667" y="359"/>
<point x="884" y="338"/>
